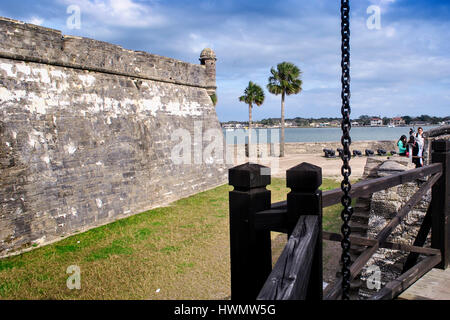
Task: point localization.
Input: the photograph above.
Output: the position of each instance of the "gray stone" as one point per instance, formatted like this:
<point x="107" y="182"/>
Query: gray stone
<point x="383" y="207"/>
<point x="87" y="133"/>
<point x="391" y="166"/>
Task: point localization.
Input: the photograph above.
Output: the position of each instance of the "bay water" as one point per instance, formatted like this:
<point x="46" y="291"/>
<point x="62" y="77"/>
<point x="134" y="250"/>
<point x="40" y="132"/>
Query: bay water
<point x="320" y="134"/>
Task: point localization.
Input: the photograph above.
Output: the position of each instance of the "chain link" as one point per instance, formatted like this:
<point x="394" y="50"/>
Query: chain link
<point x="346" y="140"/>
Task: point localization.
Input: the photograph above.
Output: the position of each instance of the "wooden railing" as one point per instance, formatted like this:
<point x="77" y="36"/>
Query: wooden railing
<point x="298" y="272"/>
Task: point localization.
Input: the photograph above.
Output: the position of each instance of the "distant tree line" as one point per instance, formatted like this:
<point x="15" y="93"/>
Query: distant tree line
<point x="365" y="119"/>
<point x="362" y="120"/>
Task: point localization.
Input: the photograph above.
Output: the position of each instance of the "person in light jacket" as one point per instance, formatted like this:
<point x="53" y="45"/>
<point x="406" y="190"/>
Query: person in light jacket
<point x="420" y="141"/>
<point x="414" y="152"/>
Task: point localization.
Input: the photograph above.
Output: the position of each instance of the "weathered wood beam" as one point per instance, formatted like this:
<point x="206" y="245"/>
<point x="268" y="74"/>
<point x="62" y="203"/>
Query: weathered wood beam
<point x="392" y="289"/>
<point x="368" y="187"/>
<point x="290" y="277"/>
<point x="279" y="205"/>
<point x="387" y="245"/>
<point x="334" y="291"/>
<point x="420" y="239"/>
<point x="440" y="217"/>
<point x="270" y="219"/>
<point x="250" y="249"/>
<point x="305" y="198"/>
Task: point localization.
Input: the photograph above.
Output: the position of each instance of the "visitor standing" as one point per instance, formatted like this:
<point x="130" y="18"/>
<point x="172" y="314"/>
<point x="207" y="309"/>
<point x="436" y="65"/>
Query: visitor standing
<point x="414" y="152"/>
<point x="420" y="141"/>
<point x="402" y="146"/>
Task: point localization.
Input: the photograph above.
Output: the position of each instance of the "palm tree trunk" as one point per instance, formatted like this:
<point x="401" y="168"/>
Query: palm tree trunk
<point x="282" y="125"/>
<point x="249" y="129"/>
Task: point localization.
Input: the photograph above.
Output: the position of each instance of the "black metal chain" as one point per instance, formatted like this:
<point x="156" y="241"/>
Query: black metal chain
<point x="346" y="141"/>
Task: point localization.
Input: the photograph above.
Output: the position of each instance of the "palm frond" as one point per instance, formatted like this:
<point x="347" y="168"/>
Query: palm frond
<point x="286" y="78"/>
<point x="253" y="94"/>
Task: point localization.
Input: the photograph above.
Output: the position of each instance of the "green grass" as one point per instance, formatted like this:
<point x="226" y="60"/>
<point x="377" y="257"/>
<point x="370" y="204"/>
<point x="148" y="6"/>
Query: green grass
<point x="182" y="249"/>
<point x="9" y="264"/>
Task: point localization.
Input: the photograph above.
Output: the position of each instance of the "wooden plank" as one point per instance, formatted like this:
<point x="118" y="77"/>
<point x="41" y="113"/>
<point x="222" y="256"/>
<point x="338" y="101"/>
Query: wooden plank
<point x="334" y="291"/>
<point x="290" y="276"/>
<point x="387" y="245"/>
<point x="397" y="286"/>
<point x="367" y="187"/>
<point x="420" y="239"/>
<point x="440" y="224"/>
<point x="279" y="205"/>
<point x="434" y="285"/>
<point x="409" y="248"/>
<point x="270" y="219"/>
<point x="354" y="240"/>
<point x="305" y="198"/>
<point x="250" y="249"/>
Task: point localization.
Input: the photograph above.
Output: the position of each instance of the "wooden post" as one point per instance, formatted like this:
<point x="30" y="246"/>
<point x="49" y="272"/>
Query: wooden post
<point x="251" y="255"/>
<point x="440" y="206"/>
<point x="305" y="198"/>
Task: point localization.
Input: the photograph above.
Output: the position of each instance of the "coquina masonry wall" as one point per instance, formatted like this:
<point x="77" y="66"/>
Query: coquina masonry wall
<point x="86" y="132"/>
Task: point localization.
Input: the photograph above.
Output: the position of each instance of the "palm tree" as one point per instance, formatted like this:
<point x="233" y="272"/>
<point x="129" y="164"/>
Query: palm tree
<point x="253" y="94"/>
<point x="285" y="81"/>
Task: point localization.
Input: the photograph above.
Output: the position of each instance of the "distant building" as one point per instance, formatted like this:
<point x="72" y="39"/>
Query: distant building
<point x="418" y="123"/>
<point x="227" y="126"/>
<point x="355" y="124"/>
<point x="397" y="121"/>
<point x="289" y="123"/>
<point x="376" y="122"/>
<point x="335" y="123"/>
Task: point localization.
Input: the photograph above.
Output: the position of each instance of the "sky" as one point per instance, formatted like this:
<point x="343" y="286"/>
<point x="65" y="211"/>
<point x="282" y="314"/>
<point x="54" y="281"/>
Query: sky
<point x="400" y="58"/>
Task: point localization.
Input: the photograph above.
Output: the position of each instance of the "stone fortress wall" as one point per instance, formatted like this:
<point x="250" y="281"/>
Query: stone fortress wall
<point x="86" y="132"/>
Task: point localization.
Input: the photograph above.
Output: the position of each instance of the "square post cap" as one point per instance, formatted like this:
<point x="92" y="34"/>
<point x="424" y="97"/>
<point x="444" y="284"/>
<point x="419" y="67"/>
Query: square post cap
<point x="249" y="175"/>
<point x="304" y="177"/>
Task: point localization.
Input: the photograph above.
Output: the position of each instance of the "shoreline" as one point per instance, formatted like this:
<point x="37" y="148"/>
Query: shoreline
<point x="294" y="148"/>
<point x="325" y="135"/>
<point x="311" y="152"/>
<point x="331" y="127"/>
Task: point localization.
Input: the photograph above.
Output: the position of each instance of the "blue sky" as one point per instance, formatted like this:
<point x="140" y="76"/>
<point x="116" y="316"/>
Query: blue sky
<point x="401" y="68"/>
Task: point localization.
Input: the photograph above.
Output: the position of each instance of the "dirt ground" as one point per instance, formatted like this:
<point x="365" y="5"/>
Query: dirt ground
<point x="331" y="168"/>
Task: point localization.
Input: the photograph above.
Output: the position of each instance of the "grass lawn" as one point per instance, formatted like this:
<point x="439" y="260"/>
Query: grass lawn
<point x="176" y="252"/>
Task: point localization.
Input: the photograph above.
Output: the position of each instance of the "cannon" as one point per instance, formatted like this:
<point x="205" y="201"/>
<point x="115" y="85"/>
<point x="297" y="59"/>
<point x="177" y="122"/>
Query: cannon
<point x="329" y="153"/>
<point x="369" y="152"/>
<point x="357" y="153"/>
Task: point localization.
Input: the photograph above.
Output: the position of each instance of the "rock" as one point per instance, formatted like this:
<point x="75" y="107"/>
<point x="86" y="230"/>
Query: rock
<point x="384" y="205"/>
<point x="91" y="133"/>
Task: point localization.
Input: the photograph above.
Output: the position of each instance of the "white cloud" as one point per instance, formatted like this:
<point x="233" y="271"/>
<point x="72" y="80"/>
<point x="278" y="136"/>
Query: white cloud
<point x="120" y="13"/>
<point x="36" y="20"/>
<point x="197" y="43"/>
<point x="398" y="69"/>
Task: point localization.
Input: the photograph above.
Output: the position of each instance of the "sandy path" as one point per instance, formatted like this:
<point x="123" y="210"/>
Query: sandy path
<point x="331" y="168"/>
